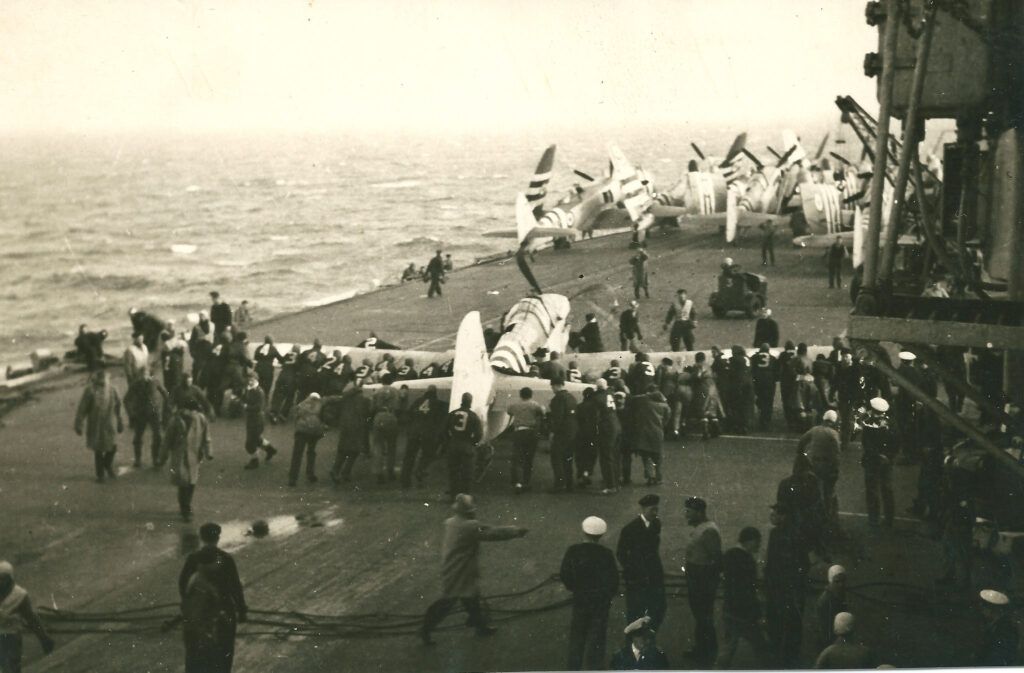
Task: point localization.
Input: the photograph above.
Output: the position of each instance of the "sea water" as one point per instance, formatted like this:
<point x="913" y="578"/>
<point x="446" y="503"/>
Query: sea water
<point x="91" y="226"/>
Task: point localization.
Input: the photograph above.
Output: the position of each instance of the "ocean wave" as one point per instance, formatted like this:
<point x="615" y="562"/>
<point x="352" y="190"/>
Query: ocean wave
<point x="418" y="240"/>
<point x="396" y="184"/>
<point x="102" y="282"/>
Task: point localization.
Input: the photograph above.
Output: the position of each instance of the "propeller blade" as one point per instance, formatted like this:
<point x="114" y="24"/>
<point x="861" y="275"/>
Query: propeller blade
<point x="855" y="197"/>
<point x="750" y="155"/>
<point x="582" y="175"/>
<point x="839" y="157"/>
<point x="787" y="155"/>
<point x="734" y="150"/>
<point x="697" y="150"/>
<point x="774" y="153"/>
<point x="821" y="147"/>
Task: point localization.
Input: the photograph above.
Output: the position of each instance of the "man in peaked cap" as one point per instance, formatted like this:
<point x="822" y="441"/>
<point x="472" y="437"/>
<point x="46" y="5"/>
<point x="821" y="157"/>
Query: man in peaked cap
<point x="640" y="652"/>
<point x="16" y="611"/>
<point x="460" y="570"/>
<point x="638" y="554"/>
<point x="998" y="646"/>
<point x="590" y="573"/>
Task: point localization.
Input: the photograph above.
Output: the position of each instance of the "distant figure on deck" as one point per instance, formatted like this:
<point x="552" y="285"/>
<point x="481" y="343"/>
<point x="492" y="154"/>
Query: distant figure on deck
<point x="242" y="317"/>
<point x="835" y="254"/>
<point x="766" y="330"/>
<point x="680" y="317"/>
<point x="435" y="274"/>
<point x="449" y="265"/>
<point x="629" y="327"/>
<point x="149" y="326"/>
<point x="767" y="242"/>
<point x="90" y="347"/>
<point x="172" y="357"/>
<point x="200" y="343"/>
<point x="640" y="277"/>
<point x="99" y="409"/>
<point x="220" y="314"/>
<point x="410" y="273"/>
<point x="590" y="336"/>
<point x="255" y="406"/>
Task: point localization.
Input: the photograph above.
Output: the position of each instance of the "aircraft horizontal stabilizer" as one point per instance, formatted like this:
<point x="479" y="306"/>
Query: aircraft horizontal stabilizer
<point x="659" y="210"/>
<point x="550" y="232"/>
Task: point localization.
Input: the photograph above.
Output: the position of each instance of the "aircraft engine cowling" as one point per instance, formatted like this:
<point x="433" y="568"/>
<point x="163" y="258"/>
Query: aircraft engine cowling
<point x="532" y="323"/>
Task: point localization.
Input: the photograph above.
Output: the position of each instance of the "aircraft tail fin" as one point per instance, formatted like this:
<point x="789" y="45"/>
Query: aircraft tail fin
<point x="471" y="371"/>
<point x="525" y="220"/>
<point x="541" y="176"/>
<point x="621" y="166"/>
<point x="794" y="151"/>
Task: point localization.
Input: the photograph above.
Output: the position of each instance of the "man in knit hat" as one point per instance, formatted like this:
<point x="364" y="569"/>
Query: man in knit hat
<point x="589" y="572"/>
<point x="16" y="611"/>
<point x="460" y="571"/>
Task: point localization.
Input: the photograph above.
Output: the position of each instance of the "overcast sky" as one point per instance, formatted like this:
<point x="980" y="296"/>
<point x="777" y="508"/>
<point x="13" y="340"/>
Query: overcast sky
<point x="81" y="65"/>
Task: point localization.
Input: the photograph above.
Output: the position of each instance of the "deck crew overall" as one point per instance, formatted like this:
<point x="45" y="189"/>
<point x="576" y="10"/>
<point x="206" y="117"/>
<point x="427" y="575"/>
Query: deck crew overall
<point x="640" y="276"/>
<point x="563" y="423"/>
<point x="353" y="432"/>
<point x="426" y="430"/>
<point x="464" y="431"/>
<point x="629" y="327"/>
<point x="200" y="343"/>
<point x="284" y="389"/>
<point x="607" y="439"/>
<point x="220" y="314"/>
<point x="764" y="371"/>
<point x="680" y="317"/>
<point x="741" y="609"/>
<point x="527" y="416"/>
<point x="309" y="429"/>
<point x="590" y="336"/>
<point x="266" y="355"/>
<point x="435" y="274"/>
<point x="384" y="435"/>
<point x="255" y="405"/>
<point x="766" y="330"/>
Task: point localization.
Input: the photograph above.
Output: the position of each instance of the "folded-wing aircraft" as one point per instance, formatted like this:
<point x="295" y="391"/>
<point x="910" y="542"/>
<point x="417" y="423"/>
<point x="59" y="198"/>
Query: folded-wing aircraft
<point x="703" y="190"/>
<point x="768" y="191"/>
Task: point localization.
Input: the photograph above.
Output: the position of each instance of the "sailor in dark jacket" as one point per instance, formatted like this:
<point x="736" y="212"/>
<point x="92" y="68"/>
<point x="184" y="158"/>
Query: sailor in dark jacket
<point x="640" y="652"/>
<point x="629" y="327"/>
<point x="764" y="369"/>
<point x="228" y="586"/>
<point x="590" y="336"/>
<point x="766" y="330"/>
<point x="284" y="390"/>
<point x="637" y="552"/>
<point x="589" y="572"/>
<point x="562" y="421"/>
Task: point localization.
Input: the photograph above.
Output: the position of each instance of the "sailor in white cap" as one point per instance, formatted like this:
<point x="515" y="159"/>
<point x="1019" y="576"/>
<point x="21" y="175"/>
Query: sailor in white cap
<point x="460" y="571"/>
<point x="640" y="652"/>
<point x="908" y="413"/>
<point x="16" y="611"/>
<point x="845" y="652"/>
<point x="878" y="448"/>
<point x="830" y="603"/>
<point x="590" y="573"/>
<point x="998" y="646"/>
